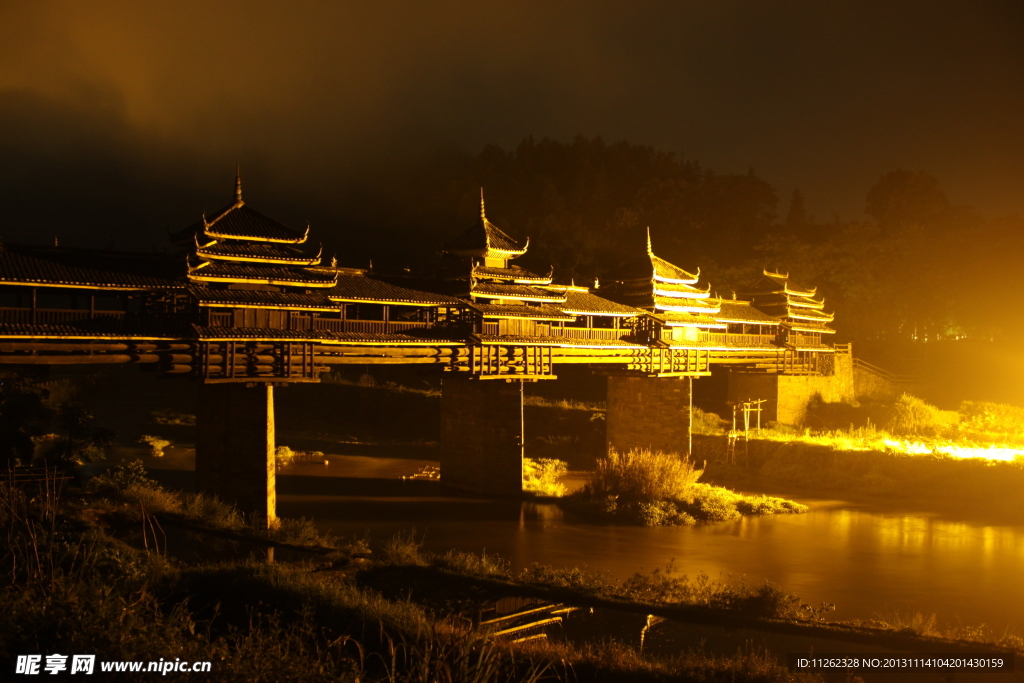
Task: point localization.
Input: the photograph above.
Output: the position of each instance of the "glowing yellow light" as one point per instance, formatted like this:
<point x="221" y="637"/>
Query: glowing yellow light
<point x="1002" y="453"/>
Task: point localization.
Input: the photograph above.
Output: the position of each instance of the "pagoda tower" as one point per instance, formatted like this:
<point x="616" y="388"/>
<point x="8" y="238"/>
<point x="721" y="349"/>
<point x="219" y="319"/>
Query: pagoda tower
<point x="248" y="271"/>
<point x="804" y="320"/>
<point x="511" y="300"/>
<point x="680" y="308"/>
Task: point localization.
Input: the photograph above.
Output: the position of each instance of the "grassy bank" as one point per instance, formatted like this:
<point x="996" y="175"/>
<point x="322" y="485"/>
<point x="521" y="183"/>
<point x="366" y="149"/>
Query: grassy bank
<point x="655" y="488"/>
<point x="86" y="572"/>
<point x="78" y="578"/>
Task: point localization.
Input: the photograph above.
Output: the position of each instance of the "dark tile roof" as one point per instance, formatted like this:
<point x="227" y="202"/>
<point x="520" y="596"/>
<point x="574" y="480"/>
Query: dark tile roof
<point x="665" y="269"/>
<point x="590" y="304"/>
<point x="528" y="312"/>
<point x="512" y="273"/>
<point x="86" y="268"/>
<point x="709" y="305"/>
<point x="482" y="236"/>
<point x="243" y="222"/>
<point x="353" y="287"/>
<point x="553" y="341"/>
<point x="260" y="273"/>
<point x="243" y="297"/>
<point x="256" y="251"/>
<point x="742" y="311"/>
<point x="688" y="319"/>
<point x="680" y="288"/>
<point x="645" y="266"/>
<point x="515" y="292"/>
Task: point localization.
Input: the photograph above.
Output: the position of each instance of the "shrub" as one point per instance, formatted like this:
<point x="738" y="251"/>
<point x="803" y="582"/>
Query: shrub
<point x="208" y="509"/>
<point x="711" y="503"/>
<point x="913" y="417"/>
<point x="170" y="417"/>
<point x="995" y="420"/>
<point x="663" y="513"/>
<point x="404" y="548"/>
<point x="768" y="505"/>
<point x="284" y="455"/>
<point x="707" y="423"/>
<point x="541" y="476"/>
<point x="122" y="476"/>
<point x="155" y="443"/>
<point x="643" y="475"/>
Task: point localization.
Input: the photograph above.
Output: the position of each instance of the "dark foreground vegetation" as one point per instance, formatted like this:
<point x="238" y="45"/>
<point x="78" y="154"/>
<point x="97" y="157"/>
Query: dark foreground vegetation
<point x="87" y="571"/>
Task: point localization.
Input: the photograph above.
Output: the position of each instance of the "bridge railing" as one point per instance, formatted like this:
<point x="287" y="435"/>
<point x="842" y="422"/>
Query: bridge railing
<point x="52" y="316"/>
<point x="367" y="326"/>
<point x="588" y="333"/>
<point x="726" y="339"/>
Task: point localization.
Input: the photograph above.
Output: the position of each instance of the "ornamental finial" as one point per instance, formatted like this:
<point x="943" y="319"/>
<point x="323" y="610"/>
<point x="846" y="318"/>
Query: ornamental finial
<point x="238" y="185"/>
<point x="649" y="251"/>
<point x="482" y="212"/>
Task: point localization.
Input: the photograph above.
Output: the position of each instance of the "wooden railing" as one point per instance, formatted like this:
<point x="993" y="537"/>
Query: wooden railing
<point x="587" y="333"/>
<point x="52" y="316"/>
<point x="726" y="339"/>
<point x="367" y="326"/>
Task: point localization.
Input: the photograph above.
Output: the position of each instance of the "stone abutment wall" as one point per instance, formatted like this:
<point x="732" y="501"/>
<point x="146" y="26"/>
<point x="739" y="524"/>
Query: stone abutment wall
<point x="649" y="412"/>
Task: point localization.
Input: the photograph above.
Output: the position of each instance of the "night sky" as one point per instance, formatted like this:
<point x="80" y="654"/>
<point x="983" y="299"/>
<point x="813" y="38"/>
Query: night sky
<point x="118" y="119"/>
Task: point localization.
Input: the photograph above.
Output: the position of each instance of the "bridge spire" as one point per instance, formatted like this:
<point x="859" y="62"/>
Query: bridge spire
<point x="238" y="185"/>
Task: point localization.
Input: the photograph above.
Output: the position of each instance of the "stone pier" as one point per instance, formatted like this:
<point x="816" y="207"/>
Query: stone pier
<point x="649" y="412"/>
<point x="235" y="446"/>
<point x="788" y="396"/>
<point x="482" y="435"/>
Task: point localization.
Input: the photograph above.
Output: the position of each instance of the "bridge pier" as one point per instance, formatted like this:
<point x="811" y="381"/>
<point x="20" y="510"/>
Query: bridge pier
<point x="789" y="396"/>
<point x="649" y="412"/>
<point x="235" y="446"/>
<point x="482" y="435"/>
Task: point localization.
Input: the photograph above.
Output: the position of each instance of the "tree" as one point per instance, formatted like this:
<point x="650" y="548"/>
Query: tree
<point x="797" y="215"/>
<point x="901" y="198"/>
<point x="24" y="416"/>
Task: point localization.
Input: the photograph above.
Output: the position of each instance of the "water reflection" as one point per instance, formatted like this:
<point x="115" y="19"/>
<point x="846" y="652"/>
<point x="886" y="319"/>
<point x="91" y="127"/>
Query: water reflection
<point x="868" y="560"/>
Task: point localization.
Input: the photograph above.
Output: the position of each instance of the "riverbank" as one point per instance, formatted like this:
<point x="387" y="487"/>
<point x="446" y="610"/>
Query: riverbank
<point x="981" y="486"/>
<point x="111" y="588"/>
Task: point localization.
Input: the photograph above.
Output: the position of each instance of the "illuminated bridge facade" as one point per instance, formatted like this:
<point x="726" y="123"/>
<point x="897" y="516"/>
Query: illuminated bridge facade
<point x="244" y="303"/>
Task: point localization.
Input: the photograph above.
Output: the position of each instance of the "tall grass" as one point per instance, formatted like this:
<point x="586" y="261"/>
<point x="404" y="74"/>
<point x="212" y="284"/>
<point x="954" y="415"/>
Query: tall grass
<point x="913" y="417"/>
<point x="643" y="475"/>
<point x="654" y="488"/>
<point x="541" y="475"/>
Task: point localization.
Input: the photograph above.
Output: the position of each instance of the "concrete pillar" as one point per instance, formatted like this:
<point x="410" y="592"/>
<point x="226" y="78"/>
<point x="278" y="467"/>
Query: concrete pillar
<point x="482" y="435"/>
<point x="235" y="446"/>
<point x="649" y="412"/>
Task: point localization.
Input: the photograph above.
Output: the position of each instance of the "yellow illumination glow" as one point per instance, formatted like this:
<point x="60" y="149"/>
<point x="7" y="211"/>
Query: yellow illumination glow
<point x="1002" y="453"/>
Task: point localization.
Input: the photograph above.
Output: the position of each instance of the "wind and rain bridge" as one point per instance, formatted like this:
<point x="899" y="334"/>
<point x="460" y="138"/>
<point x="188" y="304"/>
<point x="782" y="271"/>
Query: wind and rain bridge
<point x="243" y="304"/>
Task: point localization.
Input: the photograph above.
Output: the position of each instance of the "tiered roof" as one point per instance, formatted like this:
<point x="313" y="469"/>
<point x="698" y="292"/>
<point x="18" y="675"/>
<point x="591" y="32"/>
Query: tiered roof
<point x="496" y="288"/>
<point x="773" y="293"/>
<point x="241" y="246"/>
<point x="666" y="290"/>
<point x="485" y="240"/>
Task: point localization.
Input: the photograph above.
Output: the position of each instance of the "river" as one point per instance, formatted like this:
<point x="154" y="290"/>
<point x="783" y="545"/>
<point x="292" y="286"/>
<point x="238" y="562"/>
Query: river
<point x="871" y="560"/>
